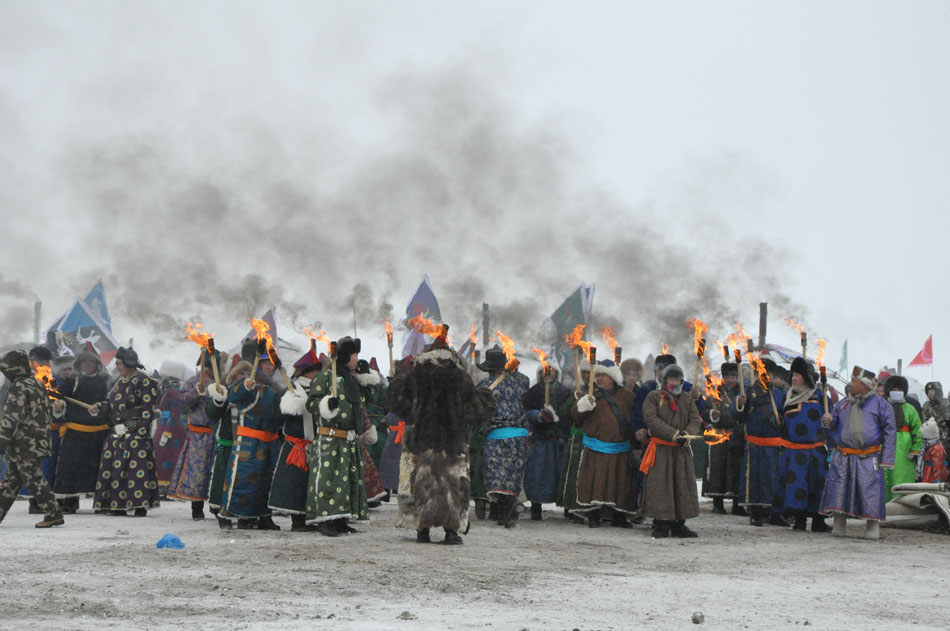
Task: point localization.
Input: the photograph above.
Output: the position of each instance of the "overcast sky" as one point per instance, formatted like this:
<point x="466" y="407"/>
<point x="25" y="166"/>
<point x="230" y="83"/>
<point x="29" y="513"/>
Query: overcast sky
<point x="691" y="158"/>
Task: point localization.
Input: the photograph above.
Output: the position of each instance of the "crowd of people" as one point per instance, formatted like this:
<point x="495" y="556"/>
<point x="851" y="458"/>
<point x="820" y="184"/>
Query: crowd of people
<point x="336" y="438"/>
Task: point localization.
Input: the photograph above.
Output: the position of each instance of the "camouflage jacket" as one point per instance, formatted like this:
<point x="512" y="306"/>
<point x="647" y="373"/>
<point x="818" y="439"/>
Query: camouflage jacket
<point x="24" y="430"/>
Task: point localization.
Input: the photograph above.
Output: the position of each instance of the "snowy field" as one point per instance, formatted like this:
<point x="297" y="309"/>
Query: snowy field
<point x="100" y="572"/>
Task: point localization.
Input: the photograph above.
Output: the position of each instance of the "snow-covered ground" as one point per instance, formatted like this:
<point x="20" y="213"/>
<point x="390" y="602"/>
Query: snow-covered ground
<point x="105" y="572"/>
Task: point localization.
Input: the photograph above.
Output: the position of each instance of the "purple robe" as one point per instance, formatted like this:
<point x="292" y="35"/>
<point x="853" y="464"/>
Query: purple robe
<point x="192" y="473"/>
<point x="855" y="484"/>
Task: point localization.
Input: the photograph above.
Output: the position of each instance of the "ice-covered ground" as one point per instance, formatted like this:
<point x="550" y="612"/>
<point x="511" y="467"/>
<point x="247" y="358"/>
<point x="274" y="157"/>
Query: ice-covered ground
<point x="105" y="572"/>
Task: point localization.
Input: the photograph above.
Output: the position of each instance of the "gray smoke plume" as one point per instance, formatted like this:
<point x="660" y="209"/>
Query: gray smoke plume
<point x="254" y="211"/>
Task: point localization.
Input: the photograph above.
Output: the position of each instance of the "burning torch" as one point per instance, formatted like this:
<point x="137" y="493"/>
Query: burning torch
<point x="511" y="366"/>
<point x="699" y="345"/>
<point x="333" y="369"/>
<point x="821" y="369"/>
<point x="545" y="372"/>
<point x="592" y="356"/>
<point x="389" y="343"/>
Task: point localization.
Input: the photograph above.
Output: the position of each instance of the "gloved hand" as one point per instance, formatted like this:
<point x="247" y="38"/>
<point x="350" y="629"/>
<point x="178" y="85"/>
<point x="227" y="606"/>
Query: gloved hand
<point x="249" y="384"/>
<point x="333" y="403"/>
<point x="370" y="436"/>
<point x="119" y="430"/>
<point x="547" y="414"/>
<point x="826" y="420"/>
<point x="218" y="393"/>
<point x="680" y="439"/>
<point x="362" y="367"/>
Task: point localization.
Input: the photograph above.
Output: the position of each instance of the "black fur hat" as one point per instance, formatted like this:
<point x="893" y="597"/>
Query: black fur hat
<point x="662" y="361"/>
<point x="729" y="369"/>
<point x="895" y="382"/>
<point x="347" y="346"/>
<point x="41" y="353"/>
<point x="801" y="367"/>
<point x="128" y="357"/>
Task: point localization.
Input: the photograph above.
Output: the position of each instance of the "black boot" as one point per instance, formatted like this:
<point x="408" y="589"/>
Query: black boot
<point x="267" y="523"/>
<point x="326" y="529"/>
<point x="422" y="536"/>
<point x="452" y="538"/>
<point x="818" y="524"/>
<point x="619" y="520"/>
<point x="493" y="508"/>
<point x="140" y="512"/>
<point x="342" y="527"/>
<point x="247" y="524"/>
<point x="480" y="509"/>
<point x="224" y="523"/>
<point x="298" y="523"/>
<point x="511" y="514"/>
<point x="386" y="497"/>
<point x="68" y="505"/>
<point x="776" y="519"/>
<point x="535" y="511"/>
<point x="661" y="529"/>
<point x="800" y="522"/>
<point x="756" y="518"/>
<point x="719" y="506"/>
<point x="593" y="518"/>
<point x="118" y="513"/>
<point x="680" y="530"/>
<point x="738" y="510"/>
<point x="197" y="511"/>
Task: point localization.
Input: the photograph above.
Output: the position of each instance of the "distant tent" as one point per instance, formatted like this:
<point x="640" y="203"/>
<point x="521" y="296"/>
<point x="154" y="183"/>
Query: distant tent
<point x="80" y="324"/>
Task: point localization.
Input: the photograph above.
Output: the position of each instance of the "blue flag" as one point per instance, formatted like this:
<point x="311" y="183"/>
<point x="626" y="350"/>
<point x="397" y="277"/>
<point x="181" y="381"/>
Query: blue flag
<point x="423" y="303"/>
<point x="96" y="301"/>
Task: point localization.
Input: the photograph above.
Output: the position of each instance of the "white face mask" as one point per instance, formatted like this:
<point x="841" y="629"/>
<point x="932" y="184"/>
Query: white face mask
<point x="896" y="396"/>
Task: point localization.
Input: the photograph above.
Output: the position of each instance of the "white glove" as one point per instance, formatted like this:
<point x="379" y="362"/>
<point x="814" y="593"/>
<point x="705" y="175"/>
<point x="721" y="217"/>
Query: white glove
<point x="585" y="404"/>
<point x="119" y="430"/>
<point x="218" y="393"/>
<point x="351" y="435"/>
<point x="370" y="436"/>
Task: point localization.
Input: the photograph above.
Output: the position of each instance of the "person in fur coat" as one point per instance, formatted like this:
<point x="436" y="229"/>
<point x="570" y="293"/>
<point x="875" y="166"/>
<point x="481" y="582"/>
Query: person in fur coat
<point x="439" y="404"/>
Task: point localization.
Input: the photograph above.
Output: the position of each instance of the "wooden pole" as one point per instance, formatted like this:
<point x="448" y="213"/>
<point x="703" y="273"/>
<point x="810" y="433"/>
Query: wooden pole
<point x="738" y="354"/>
<point x="593" y="362"/>
<point x="214" y="362"/>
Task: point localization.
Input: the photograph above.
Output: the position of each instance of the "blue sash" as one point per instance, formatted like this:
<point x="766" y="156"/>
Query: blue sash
<point x="506" y="432"/>
<point x="606" y="448"/>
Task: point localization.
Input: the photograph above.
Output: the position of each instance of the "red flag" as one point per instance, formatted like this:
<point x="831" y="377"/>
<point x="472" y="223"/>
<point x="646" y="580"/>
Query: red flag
<point x="926" y="356"/>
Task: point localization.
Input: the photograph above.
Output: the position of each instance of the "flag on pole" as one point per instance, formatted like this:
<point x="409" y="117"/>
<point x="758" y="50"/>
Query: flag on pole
<point x="423" y="303"/>
<point x="96" y="301"/>
<point x="843" y="364"/>
<point x="79" y="325"/>
<point x="926" y="355"/>
<point x="574" y="310"/>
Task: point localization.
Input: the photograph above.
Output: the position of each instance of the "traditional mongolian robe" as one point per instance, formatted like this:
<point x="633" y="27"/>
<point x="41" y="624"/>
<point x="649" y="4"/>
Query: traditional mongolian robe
<point x="373" y="394"/>
<point x="127" y="477"/>
<point x="169" y="434"/>
<point x="219" y="412"/>
<point x="669" y="492"/>
<point x="724" y="463"/>
<point x="336" y="489"/>
<point x="254" y="454"/>
<point x="392" y="452"/>
<point x="574" y="447"/>
<point x="607" y="473"/>
<point x="803" y="463"/>
<point x="288" y="491"/>
<point x="192" y="473"/>
<point x="83" y="435"/>
<point x="865" y="437"/>
<point x="506" y="443"/>
<point x="548" y="441"/>
<point x="907" y="422"/>
<point x="758" y="479"/>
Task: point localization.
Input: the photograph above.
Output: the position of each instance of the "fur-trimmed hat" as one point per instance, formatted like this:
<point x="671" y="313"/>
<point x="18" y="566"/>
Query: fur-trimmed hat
<point x="495" y="360"/>
<point x="128" y="357"/>
<point x="631" y="363"/>
<point x="241" y="366"/>
<point x="896" y="382"/>
<point x="934" y="385"/>
<point x="662" y="361"/>
<point x="801" y="367"/>
<point x="554" y="367"/>
<point x="308" y="362"/>
<point x="347" y="346"/>
<point x="609" y="368"/>
<point x="729" y="369"/>
<point x="674" y="371"/>
<point x="40" y="353"/>
<point x="864" y="376"/>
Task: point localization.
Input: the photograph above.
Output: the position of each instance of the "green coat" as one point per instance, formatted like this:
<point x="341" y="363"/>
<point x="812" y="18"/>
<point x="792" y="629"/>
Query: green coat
<point x="335" y="488"/>
<point x="908" y="442"/>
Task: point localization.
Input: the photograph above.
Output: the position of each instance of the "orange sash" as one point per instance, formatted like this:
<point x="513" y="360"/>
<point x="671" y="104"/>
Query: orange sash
<point x="762" y="441"/>
<point x="198" y="429"/>
<point x="859" y="452"/>
<point x="79" y="427"/>
<point x="298" y="452"/>
<point x="649" y="456"/>
<point x="791" y="445"/>
<point x="265" y="437"/>
<point x="400" y="429"/>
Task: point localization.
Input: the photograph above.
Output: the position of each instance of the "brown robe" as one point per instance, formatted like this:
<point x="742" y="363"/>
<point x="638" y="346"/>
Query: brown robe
<point x="669" y="490"/>
<point x="606" y="479"/>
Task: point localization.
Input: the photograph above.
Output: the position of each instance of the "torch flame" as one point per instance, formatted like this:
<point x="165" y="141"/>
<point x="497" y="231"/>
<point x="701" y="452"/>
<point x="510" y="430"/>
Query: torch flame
<point x="713" y="437"/>
<point x="664" y="348"/>
<point x="473" y="338"/>
<point x="508" y="346"/>
<point x="196" y="333"/>
<point x="743" y="336"/>
<point x="795" y="325"/>
<point x="699" y="328"/>
<point x="574" y="339"/>
<point x="44" y="374"/>
<point x="610" y="341"/>
<point x="820" y="360"/>
<point x="425" y="326"/>
<point x="320" y="336"/>
<point x="262" y="329"/>
<point x="389" y="330"/>
<point x="712" y="382"/>
<point x="760" y="370"/>
<point x="542" y="357"/>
